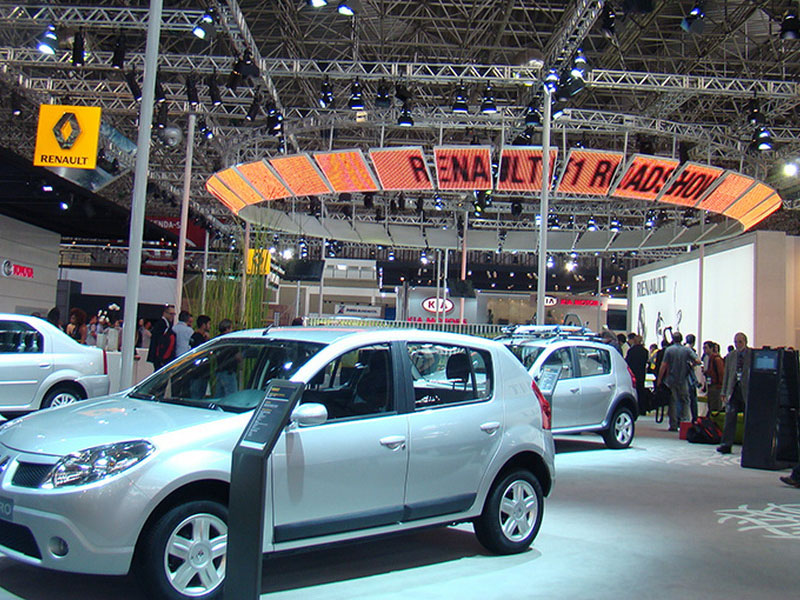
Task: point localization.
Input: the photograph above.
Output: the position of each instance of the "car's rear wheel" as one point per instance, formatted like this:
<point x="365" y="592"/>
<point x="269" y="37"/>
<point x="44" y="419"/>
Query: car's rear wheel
<point x="620" y="433"/>
<point x="61" y="394"/>
<point x="512" y="513"/>
<point x="182" y="555"/>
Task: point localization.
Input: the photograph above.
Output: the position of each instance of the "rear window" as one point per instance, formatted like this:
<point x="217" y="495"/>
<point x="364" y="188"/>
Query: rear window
<point x="593" y="361"/>
<point x="445" y="374"/>
<point x="527" y="355"/>
<point x="17" y="337"/>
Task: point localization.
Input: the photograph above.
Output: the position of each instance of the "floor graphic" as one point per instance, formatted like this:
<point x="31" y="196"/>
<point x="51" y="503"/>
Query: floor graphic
<point x="781" y="521"/>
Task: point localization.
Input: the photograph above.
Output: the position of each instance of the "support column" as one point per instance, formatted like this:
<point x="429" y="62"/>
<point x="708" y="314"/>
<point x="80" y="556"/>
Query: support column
<point x="205" y="273"/>
<point x="541" y="284"/>
<point x="246" y="252"/>
<point x="463" y="265"/>
<point x="187" y="184"/>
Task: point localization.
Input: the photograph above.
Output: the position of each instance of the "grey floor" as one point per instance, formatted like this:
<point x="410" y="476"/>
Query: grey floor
<point x="663" y="519"/>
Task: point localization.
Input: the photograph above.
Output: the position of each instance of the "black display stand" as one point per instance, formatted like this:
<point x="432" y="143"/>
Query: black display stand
<point x="248" y="489"/>
<point x="770" y="424"/>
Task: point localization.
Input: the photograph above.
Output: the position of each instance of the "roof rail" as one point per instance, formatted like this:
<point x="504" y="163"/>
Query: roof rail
<point x="549" y="331"/>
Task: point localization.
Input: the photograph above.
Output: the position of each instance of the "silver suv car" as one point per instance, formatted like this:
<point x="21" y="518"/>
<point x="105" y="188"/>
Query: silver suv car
<point x="596" y="391"/>
<point x="396" y="429"/>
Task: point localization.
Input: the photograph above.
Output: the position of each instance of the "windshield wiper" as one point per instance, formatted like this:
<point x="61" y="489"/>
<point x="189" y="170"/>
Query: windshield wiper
<point x="143" y="396"/>
<point x="190" y="402"/>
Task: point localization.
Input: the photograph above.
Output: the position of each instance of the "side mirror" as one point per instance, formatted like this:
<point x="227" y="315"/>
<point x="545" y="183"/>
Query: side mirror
<point x="309" y="414"/>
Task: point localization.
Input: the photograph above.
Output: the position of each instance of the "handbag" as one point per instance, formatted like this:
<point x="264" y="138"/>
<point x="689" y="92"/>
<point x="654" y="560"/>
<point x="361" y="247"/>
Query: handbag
<point x="661" y="400"/>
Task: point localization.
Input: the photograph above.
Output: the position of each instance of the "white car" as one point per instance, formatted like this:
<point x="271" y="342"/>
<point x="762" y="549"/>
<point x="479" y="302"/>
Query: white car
<point x="41" y="366"/>
<point x="395" y="430"/>
<point x="595" y="392"/>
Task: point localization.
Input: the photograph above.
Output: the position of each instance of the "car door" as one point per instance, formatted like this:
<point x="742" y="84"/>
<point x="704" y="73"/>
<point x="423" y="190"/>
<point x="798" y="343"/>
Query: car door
<point x="23" y="363"/>
<point x="455" y="428"/>
<point x="348" y="473"/>
<point x="597" y="382"/>
<point x="566" y="402"/>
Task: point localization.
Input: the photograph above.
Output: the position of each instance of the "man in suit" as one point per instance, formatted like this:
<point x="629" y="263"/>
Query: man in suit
<point x="162" y="340"/>
<point x="735" y="383"/>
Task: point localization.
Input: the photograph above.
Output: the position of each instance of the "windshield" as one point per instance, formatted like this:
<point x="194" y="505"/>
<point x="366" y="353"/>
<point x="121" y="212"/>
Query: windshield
<point x="230" y="375"/>
<point x="527" y="354"/>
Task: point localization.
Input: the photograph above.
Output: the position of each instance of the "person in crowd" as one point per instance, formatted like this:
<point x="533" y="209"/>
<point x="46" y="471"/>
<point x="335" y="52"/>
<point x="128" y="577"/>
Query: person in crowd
<point x="735" y="383"/>
<point x="225" y="326"/>
<point x="691" y="376"/>
<point x="54" y="317"/>
<point x="793" y="479"/>
<point x="183" y="332"/>
<point x="714" y="372"/>
<point x="162" y="339"/>
<point x="297" y="321"/>
<point x="143" y="333"/>
<point x="622" y="340"/>
<point x="91" y="331"/>
<point x="637" y="362"/>
<point x="200" y="335"/>
<point x="114" y="336"/>
<point x="651" y="359"/>
<point x="731" y="348"/>
<point x="76" y="328"/>
<point x="659" y="358"/>
<point x="674" y="374"/>
<point x="609" y="338"/>
<point x="36" y="314"/>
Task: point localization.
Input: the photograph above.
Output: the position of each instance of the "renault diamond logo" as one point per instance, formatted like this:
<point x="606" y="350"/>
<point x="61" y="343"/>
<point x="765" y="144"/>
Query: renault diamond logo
<point x="67" y="123"/>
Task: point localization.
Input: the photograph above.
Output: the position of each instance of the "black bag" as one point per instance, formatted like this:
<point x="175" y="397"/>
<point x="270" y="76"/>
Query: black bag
<point x="661" y="399"/>
<point x="704" y="431"/>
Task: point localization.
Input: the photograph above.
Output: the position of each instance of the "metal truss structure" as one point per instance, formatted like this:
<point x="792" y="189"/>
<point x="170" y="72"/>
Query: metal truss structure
<point x="651" y="85"/>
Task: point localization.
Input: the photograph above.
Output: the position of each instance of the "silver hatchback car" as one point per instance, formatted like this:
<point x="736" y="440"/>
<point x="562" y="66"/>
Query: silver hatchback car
<point x="596" y="391"/>
<point x="418" y="429"/>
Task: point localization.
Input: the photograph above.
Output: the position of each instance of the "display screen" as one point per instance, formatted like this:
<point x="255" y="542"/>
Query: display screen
<point x="749" y="201"/>
<point x="521" y="169"/>
<point x="272" y="414"/>
<point x="463" y="167"/>
<point x="347" y="171"/>
<point x="240" y="186"/>
<point x="264" y="180"/>
<point x="765" y="360"/>
<point x="401" y="169"/>
<point x="300" y="174"/>
<point x="691" y="184"/>
<point x="645" y="177"/>
<point x="218" y="189"/>
<point x="589" y="172"/>
<point x="733" y="186"/>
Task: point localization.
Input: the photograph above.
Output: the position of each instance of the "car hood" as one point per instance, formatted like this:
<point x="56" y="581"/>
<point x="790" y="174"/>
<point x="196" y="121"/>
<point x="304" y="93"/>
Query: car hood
<point x="89" y="423"/>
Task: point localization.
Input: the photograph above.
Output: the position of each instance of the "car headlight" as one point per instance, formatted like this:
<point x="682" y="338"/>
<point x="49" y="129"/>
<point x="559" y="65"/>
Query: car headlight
<point x="94" y="464"/>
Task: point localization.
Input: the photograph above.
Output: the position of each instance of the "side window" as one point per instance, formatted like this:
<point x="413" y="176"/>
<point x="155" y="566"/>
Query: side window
<point x="443" y="374"/>
<point x="357" y="383"/>
<point x="561" y="358"/>
<point x="593" y="361"/>
<point x="18" y="337"/>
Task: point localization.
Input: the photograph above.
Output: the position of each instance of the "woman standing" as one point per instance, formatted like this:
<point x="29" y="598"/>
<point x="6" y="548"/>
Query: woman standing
<point x="76" y="328"/>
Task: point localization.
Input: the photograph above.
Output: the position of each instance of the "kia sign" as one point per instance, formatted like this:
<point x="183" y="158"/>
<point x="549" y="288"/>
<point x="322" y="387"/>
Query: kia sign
<point x="445" y="305"/>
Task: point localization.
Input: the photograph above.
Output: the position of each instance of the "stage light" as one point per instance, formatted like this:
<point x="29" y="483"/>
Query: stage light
<point x="161" y="116"/>
<point x="326" y="94"/>
<point x="553" y="222"/>
<point x="274" y="120"/>
<point x="558" y="110"/>
<point x="608" y="20"/>
<point x="791" y="169"/>
<point x="16" y="104"/>
<point x="438" y="203"/>
<point x="405" y="119"/>
<point x="694" y="21"/>
<point x="369" y="200"/>
<point x="133" y="84"/>
<point x="78" y="47"/>
<point x="516" y="208"/>
<point x="460" y="104"/>
<point x="356" y="96"/>
<point x="383" y="98"/>
<point x="790" y="25"/>
<point x="118" y="56"/>
<point x="205" y="28"/>
<point x="754" y="114"/>
<point x="614" y="226"/>
<point x="345" y="8"/>
<point x="591" y="224"/>
<point x="213" y="89"/>
<point x="488" y="106"/>
<point x="533" y="117"/>
<point x="191" y="90"/>
<point x="318" y="3"/>
<point x="47" y="42"/>
<point x="550" y="262"/>
<point x="235" y="76"/>
<point x="253" y="111"/>
<point x="762" y="139"/>
<point x="551" y="81"/>
<point x="205" y="130"/>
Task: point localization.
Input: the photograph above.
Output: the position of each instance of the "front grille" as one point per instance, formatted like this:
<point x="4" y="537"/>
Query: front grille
<point x="30" y="475"/>
<point x="19" y="538"/>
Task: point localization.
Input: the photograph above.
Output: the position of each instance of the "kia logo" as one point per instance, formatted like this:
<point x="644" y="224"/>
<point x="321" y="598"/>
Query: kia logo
<point x="445" y="305"/>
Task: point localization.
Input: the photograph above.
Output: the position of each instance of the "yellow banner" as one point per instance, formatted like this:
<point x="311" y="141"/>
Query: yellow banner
<point x="259" y="261"/>
<point x="67" y="136"/>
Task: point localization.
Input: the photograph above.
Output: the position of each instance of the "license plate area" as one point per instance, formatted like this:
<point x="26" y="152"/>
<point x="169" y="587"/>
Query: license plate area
<point x="7" y="509"/>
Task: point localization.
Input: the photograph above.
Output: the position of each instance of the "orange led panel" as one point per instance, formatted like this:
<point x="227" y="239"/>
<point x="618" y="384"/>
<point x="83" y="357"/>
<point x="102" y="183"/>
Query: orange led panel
<point x="401" y="168"/>
<point x="463" y="167"/>
<point x="752" y="198"/>
<point x="347" y="171"/>
<point x="301" y="174"/>
<point x="521" y="169"/>
<point x="240" y="186"/>
<point x="762" y="211"/>
<point x="217" y="189"/>
<point x="589" y="172"/>
<point x="690" y="184"/>
<point x="264" y="180"/>
<point x="645" y="177"/>
<point x="731" y="187"/>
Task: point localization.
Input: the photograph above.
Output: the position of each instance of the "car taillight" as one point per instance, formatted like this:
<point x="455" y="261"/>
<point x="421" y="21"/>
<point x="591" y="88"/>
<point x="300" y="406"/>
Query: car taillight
<point x="543" y="404"/>
<point x="633" y="377"/>
<point x="105" y="363"/>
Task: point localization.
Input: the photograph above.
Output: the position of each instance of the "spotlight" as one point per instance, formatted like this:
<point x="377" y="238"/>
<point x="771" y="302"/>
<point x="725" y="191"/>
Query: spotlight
<point x="235" y="76"/>
<point x="64" y="205"/>
<point x="516" y="208"/>
<point x="391" y="255"/>
<point x="591" y="224"/>
<point x="423" y="257"/>
<point x="133" y="85"/>
<point x="393" y="207"/>
<point x="345" y="8"/>
<point x="790" y="25"/>
<point x="205" y="130"/>
<point x="558" y="110"/>
<point x="213" y="89"/>
<point x="650" y="219"/>
<point x="16" y="104"/>
<point x="791" y="169"/>
<point x="205" y="28"/>
<point x="533" y="117"/>
<point x="553" y="221"/>
<point x="274" y="120"/>
<point x="47" y="42"/>
<point x="438" y="203"/>
<point x="118" y="56"/>
<point x="693" y="22"/>
<point x="369" y="200"/>
<point x="318" y="3"/>
<point x="191" y="90"/>
<point x="401" y="202"/>
<point x="614" y="226"/>
<point x="420" y="204"/>
<point x="762" y="139"/>
<point x="326" y="94"/>
<point x="252" y="112"/>
<point x="405" y="119"/>
<point x="383" y="98"/>
<point x="160" y="96"/>
<point x="688" y="217"/>
<point x="356" y="96"/>
<point x="460" y="104"/>
<point x="551" y="81"/>
<point x="754" y="114"/>
<point x="78" y="46"/>
<point x="161" y="116"/>
<point x="550" y="262"/>
<point x="525" y="138"/>
<point x="608" y="20"/>
<point x="488" y="106"/>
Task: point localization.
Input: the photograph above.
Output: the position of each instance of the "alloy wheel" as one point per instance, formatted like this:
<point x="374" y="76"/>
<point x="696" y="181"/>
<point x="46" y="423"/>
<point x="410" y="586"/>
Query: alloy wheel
<point x="194" y="558"/>
<point x="519" y="509"/>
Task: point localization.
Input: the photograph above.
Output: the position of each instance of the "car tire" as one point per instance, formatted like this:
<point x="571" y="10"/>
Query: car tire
<point x="62" y="394"/>
<point x="512" y="514"/>
<point x="621" y="430"/>
<point x="181" y="556"/>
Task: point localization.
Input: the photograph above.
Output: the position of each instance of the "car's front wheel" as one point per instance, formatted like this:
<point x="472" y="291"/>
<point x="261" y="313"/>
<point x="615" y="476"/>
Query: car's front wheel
<point x="512" y="513"/>
<point x="182" y="555"/>
<point x="620" y="433"/>
<point x="60" y="395"/>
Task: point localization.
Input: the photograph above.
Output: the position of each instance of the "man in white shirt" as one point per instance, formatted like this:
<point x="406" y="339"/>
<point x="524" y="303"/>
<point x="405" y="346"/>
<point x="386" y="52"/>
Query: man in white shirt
<point x="183" y="331"/>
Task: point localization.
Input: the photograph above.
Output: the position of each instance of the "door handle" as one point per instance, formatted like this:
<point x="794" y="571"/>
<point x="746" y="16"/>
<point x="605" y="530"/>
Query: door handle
<point x="491" y="427"/>
<point x="611" y="386"/>
<point x="574" y="390"/>
<point x="44" y="365"/>
<point x="394" y="442"/>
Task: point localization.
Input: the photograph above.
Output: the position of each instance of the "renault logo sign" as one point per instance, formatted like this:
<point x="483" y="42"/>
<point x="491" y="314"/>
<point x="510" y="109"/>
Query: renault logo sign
<point x="67" y="136"/>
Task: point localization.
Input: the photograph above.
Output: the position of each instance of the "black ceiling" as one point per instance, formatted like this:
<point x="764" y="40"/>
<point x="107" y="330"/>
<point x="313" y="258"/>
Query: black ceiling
<point x="39" y="197"/>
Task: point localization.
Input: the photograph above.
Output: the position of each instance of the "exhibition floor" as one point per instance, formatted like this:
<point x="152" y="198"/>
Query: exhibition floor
<point x="663" y="519"/>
